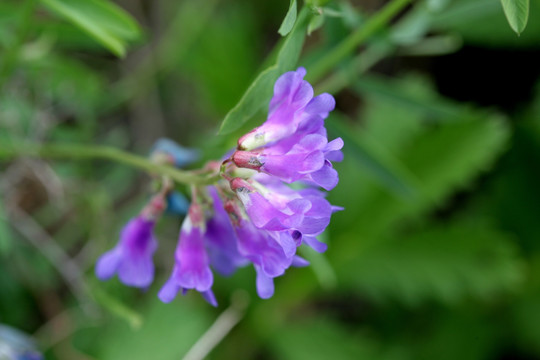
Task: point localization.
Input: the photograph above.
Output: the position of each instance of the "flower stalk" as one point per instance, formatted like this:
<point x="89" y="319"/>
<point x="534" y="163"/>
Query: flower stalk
<point x="82" y="152"/>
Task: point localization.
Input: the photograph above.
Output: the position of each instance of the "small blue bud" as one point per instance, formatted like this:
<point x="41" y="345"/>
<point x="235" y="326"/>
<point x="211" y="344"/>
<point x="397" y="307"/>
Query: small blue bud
<point x="180" y="156"/>
<point x="177" y="204"/>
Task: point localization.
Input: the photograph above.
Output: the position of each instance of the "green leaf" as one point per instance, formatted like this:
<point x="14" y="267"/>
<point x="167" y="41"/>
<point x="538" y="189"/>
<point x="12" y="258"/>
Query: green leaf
<point x="482" y="23"/>
<point x="259" y="92"/>
<point x="443" y="159"/>
<point x="444" y="151"/>
<point x="375" y="160"/>
<point x="446" y="263"/>
<point x="437" y="5"/>
<point x="252" y="101"/>
<point x="452" y="155"/>
<point x="315" y="23"/>
<point x="107" y="23"/>
<point x="288" y="23"/>
<point x="410" y="96"/>
<point x="292" y="47"/>
<point x="517" y="13"/>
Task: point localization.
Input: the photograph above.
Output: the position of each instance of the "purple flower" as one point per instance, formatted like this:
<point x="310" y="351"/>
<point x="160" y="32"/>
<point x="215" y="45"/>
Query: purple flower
<point x="277" y="207"/>
<point x="292" y="144"/>
<point x="308" y="159"/>
<point x="256" y="217"/>
<point x="191" y="269"/>
<point x="270" y="252"/>
<point x="132" y="257"/>
<point x="292" y="108"/>
<point x="221" y="239"/>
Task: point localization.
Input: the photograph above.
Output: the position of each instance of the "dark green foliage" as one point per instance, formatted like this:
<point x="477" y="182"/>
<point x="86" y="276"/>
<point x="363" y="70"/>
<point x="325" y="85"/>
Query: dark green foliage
<point x="436" y="255"/>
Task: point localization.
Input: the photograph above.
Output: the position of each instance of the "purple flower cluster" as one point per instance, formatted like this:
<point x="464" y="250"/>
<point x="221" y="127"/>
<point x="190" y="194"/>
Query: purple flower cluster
<point x="250" y="216"/>
<point x="292" y="144"/>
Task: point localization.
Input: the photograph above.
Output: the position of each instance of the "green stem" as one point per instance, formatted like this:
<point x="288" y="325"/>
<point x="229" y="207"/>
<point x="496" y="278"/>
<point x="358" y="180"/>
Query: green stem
<point x="356" y="66"/>
<point x="73" y="151"/>
<point x="356" y="38"/>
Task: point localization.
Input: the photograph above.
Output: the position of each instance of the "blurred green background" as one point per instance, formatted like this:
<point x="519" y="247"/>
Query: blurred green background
<point x="437" y="255"/>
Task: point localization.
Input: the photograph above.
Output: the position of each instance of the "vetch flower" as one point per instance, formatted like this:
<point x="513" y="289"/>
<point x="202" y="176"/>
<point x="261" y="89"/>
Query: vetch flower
<point x="265" y="202"/>
<point x="292" y="144"/>
<point x="307" y="160"/>
<point x="292" y="108"/>
<point x="270" y="218"/>
<point x="270" y="252"/>
<point x="221" y="238"/>
<point x="277" y="207"/>
<point x="131" y="259"/>
<point x="192" y="264"/>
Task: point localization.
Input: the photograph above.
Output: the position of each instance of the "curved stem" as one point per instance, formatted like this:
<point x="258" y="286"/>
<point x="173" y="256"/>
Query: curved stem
<point x="356" y="38"/>
<point x="75" y="151"/>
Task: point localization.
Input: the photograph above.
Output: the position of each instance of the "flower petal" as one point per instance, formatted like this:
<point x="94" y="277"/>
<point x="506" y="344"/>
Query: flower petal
<point x="108" y="263"/>
<point x="315" y="244"/>
<point x="136" y="271"/>
<point x="169" y="291"/>
<point x="221" y="239"/>
<point x="299" y="262"/>
<point x="210" y="297"/>
<point x="265" y="284"/>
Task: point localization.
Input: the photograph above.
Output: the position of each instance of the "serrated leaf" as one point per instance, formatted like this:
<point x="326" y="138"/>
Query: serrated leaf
<point x="517" y="14"/>
<point x="400" y="94"/>
<point x="442" y="158"/>
<point x="289" y="20"/>
<point x="259" y="92"/>
<point x="446" y="263"/>
<point x="107" y="23"/>
<point x="451" y="156"/>
<point x="375" y="160"/>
